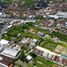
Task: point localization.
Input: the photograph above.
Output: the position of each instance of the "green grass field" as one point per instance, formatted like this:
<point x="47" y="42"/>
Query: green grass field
<point x="41" y="62"/>
<point x="51" y="45"/>
<point x="15" y="30"/>
<point x="60" y="35"/>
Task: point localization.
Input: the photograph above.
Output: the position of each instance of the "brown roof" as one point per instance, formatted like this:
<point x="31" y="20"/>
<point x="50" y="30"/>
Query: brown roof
<point x="64" y="61"/>
<point x="5" y="60"/>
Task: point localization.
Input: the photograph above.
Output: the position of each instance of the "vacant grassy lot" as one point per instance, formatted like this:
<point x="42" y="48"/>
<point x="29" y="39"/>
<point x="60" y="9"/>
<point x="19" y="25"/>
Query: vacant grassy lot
<point x="41" y="62"/>
<point x="51" y="45"/>
<point x="15" y="30"/>
<point x="60" y="35"/>
<point x="23" y="31"/>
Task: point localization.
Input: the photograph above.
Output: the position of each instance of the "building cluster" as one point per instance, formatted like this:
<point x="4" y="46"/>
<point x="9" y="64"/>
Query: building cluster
<point x="7" y="55"/>
<point x="47" y="54"/>
<point x="53" y="19"/>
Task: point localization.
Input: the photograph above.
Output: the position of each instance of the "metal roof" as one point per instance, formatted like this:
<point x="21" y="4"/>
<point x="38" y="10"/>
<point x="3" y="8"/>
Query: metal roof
<point x="10" y="52"/>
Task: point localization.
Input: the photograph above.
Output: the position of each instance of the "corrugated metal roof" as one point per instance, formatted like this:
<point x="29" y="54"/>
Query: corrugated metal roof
<point x="10" y="52"/>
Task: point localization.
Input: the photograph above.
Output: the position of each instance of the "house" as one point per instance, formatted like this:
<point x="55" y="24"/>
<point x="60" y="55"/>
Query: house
<point x="32" y="30"/>
<point x="66" y="24"/>
<point x="9" y="26"/>
<point x="50" y="56"/>
<point x="12" y="53"/>
<point x="65" y="62"/>
<point x="53" y="16"/>
<point x="5" y="61"/>
<point x="31" y="17"/>
<point x="1" y="14"/>
<point x="62" y="23"/>
<point x="46" y="23"/>
<point x="32" y="45"/>
<point x="28" y="57"/>
<point x="4" y="42"/>
<point x="45" y="54"/>
<point x="3" y="5"/>
<point x="25" y="40"/>
<point x="61" y="14"/>
<point x="34" y="40"/>
<point x="41" y="34"/>
<point x="16" y="47"/>
<point x="1" y="48"/>
<point x="40" y="4"/>
<point x="64" y="52"/>
<point x="58" y="49"/>
<point x="54" y="57"/>
<point x="62" y="60"/>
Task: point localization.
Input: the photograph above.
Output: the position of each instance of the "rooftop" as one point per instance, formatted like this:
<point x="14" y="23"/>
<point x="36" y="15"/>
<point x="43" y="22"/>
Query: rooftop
<point x="28" y="57"/>
<point x="3" y="41"/>
<point x="46" y="50"/>
<point x="10" y="52"/>
<point x="61" y="14"/>
<point x="5" y="61"/>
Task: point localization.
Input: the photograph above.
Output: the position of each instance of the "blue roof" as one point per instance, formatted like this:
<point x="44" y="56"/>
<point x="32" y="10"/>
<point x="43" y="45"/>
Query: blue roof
<point x="63" y="56"/>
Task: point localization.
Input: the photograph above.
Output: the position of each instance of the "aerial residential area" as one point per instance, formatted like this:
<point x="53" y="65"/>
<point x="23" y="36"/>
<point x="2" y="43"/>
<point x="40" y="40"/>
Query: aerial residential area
<point x="33" y="33"/>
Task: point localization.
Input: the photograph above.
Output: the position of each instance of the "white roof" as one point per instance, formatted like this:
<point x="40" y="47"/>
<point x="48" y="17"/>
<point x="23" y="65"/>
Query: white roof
<point x="25" y="40"/>
<point x="9" y="26"/>
<point x="29" y="57"/>
<point x="10" y="52"/>
<point x="3" y="41"/>
<point x="46" y="50"/>
<point x="1" y="13"/>
<point x="54" y="16"/>
<point x="65" y="22"/>
<point x="1" y="48"/>
<point x="34" y="40"/>
<point x="62" y="13"/>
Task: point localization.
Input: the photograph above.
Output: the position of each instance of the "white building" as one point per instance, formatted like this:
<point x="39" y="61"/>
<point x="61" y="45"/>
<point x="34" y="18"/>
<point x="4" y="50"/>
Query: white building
<point x="4" y="42"/>
<point x="12" y="53"/>
<point x="29" y="57"/>
<point x="25" y="40"/>
<point x="66" y="24"/>
<point x="34" y="40"/>
<point x="1" y="13"/>
<point x="53" y="16"/>
<point x="61" y="14"/>
<point x="1" y="48"/>
<point x="5" y="61"/>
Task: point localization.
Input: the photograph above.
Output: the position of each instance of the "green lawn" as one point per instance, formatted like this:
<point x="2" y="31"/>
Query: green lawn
<point x="15" y="30"/>
<point x="27" y="34"/>
<point x="51" y="45"/>
<point x="60" y="35"/>
<point x="41" y="62"/>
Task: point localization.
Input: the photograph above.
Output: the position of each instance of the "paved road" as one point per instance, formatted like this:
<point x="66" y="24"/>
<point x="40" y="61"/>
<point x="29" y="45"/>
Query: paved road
<point x="3" y="30"/>
<point x="5" y="26"/>
<point x="11" y="20"/>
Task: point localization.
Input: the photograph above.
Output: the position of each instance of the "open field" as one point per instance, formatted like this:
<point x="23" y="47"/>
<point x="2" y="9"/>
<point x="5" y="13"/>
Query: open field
<point x="41" y="62"/>
<point x="60" y="35"/>
<point x="51" y="45"/>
